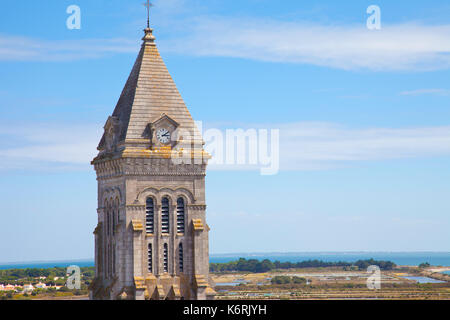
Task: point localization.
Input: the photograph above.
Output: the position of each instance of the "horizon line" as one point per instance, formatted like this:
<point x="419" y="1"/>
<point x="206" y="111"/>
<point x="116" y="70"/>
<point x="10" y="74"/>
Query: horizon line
<point x="234" y="254"/>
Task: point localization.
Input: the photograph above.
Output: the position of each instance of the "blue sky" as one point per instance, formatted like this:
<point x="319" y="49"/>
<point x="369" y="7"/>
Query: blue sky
<point x="364" y="118"/>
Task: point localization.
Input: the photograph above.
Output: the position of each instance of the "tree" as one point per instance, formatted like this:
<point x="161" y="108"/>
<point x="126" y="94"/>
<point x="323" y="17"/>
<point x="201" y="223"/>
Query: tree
<point x="298" y="280"/>
<point x="281" y="280"/>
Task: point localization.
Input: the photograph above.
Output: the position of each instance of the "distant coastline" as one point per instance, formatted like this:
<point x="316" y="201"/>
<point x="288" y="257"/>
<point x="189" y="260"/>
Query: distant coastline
<point x="47" y="264"/>
<point x="400" y="258"/>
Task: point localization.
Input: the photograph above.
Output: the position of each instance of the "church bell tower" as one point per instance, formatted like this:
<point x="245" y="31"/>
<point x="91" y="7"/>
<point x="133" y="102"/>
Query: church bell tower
<point x="151" y="241"/>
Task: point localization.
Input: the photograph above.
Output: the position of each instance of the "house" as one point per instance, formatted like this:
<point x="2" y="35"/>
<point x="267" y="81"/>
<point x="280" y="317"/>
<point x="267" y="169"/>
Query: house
<point x="28" y="288"/>
<point x="41" y="285"/>
<point x="9" y="287"/>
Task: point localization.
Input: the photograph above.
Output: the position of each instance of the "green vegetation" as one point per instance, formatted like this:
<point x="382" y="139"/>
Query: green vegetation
<point x="424" y="265"/>
<point x="384" y="265"/>
<point x="52" y="278"/>
<point x="24" y="276"/>
<point x="288" y="280"/>
<point x="256" y="266"/>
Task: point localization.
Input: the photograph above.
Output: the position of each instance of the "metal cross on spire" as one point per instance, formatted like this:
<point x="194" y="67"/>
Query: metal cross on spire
<point x="148" y="5"/>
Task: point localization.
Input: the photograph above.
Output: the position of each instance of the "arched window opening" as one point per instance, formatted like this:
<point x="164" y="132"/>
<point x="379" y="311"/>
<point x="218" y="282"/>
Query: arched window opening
<point x="180" y="215"/>
<point x="166" y="258"/>
<point x="181" y="258"/>
<point x="165" y="225"/>
<point x="150" y="216"/>
<point x="150" y="258"/>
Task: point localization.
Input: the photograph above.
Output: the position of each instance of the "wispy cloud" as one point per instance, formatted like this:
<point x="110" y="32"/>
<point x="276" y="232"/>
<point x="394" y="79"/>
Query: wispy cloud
<point x="304" y="146"/>
<point x="395" y="47"/>
<point x="46" y="146"/>
<point x="324" y="145"/>
<point x="13" y="48"/>
<point x="419" y="92"/>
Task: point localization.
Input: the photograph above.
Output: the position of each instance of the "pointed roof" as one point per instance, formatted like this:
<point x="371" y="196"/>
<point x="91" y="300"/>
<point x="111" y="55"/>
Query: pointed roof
<point x="149" y="94"/>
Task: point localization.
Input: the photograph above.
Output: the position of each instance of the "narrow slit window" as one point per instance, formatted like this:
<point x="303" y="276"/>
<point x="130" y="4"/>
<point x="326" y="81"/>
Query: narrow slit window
<point x="113" y="259"/>
<point x="108" y="256"/>
<point x="150" y="258"/>
<point x="166" y="258"/>
<point x="106" y="219"/>
<point x="181" y="258"/>
<point x="113" y="222"/>
<point x="180" y="215"/>
<point x="150" y="216"/>
<point x="165" y="225"/>
<point x="107" y="222"/>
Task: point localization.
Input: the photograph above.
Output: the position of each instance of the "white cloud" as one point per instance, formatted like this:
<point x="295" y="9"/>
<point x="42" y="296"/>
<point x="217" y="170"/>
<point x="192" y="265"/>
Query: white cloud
<point x="404" y="47"/>
<point x="41" y="146"/>
<point x="321" y="146"/>
<point x="395" y="47"/>
<point x="316" y="145"/>
<point x="14" y="48"/>
<point x="303" y="146"/>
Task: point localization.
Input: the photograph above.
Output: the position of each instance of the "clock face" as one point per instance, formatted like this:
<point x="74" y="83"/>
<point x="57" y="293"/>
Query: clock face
<point x="163" y="135"/>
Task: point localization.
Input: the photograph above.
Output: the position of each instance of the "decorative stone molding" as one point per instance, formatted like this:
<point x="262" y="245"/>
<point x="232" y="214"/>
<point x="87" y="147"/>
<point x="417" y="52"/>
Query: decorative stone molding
<point x="98" y="229"/>
<point x="137" y="225"/>
<point x="197" y="207"/>
<point x="135" y="207"/>
<point x="139" y="283"/>
<point x="156" y="191"/>
<point x="162" y="166"/>
<point x="113" y="193"/>
<point x="198" y="224"/>
<point x="200" y="281"/>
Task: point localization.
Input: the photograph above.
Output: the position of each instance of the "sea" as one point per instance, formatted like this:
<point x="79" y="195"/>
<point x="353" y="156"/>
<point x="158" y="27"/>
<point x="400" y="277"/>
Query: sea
<point x="399" y="258"/>
<point x="47" y="264"/>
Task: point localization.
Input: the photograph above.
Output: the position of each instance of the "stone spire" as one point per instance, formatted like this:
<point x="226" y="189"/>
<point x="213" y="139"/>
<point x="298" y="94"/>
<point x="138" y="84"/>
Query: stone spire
<point x="149" y="95"/>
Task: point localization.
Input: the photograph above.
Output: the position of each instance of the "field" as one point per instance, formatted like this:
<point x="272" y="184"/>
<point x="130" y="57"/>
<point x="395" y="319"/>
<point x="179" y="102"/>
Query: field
<point x="307" y="283"/>
<point x="332" y="283"/>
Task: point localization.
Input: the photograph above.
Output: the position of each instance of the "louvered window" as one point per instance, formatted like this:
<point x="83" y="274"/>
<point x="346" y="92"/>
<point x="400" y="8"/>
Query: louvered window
<point x="180" y="216"/>
<point x="181" y="258"/>
<point x="150" y="258"/>
<point x="166" y="258"/>
<point x="150" y="216"/>
<point x="165" y="216"/>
